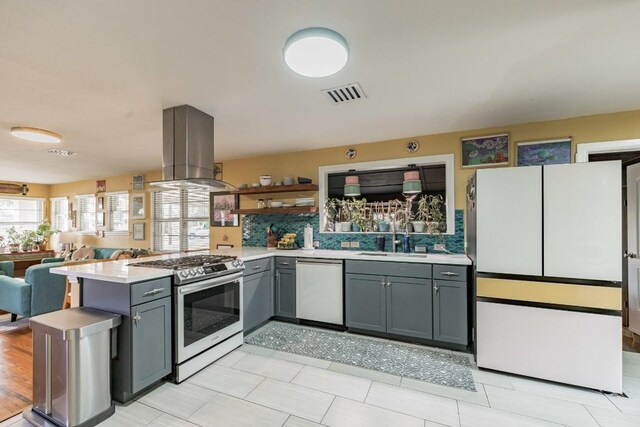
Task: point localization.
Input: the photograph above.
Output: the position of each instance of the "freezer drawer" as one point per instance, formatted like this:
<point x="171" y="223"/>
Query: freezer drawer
<point x="583" y="349"/>
<point x="319" y="290"/>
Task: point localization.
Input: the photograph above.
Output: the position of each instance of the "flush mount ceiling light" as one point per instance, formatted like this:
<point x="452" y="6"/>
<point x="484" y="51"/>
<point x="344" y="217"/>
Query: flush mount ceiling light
<point x="35" y="134"/>
<point x="316" y="52"/>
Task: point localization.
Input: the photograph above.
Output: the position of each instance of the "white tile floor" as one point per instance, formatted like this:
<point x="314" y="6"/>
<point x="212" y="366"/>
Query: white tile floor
<point x="253" y="386"/>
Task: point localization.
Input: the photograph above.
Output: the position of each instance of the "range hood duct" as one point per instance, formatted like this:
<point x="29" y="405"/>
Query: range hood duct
<point x="187" y="151"/>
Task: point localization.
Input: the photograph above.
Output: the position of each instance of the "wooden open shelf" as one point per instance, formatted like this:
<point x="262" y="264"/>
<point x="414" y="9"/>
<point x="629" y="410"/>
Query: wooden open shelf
<point x="292" y="210"/>
<point x="276" y="189"/>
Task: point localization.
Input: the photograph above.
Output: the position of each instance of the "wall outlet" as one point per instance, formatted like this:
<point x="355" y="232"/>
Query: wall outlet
<point x="439" y="247"/>
<point x="316" y="243"/>
<point x="345" y="244"/>
<point x="355" y="244"/>
<point x="421" y="249"/>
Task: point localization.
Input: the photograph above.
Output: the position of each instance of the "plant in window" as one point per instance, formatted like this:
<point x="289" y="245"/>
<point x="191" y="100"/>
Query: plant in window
<point x="344" y="215"/>
<point x="437" y="221"/>
<point x="422" y="215"/>
<point x="331" y="206"/>
<point x="358" y="215"/>
<point x="28" y="239"/>
<point x="13" y="238"/>
<point x="44" y="233"/>
<point x="1" y="244"/>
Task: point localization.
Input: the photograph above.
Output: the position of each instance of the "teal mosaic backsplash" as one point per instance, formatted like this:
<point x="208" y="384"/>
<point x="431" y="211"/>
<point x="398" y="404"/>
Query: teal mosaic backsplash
<point x="254" y="233"/>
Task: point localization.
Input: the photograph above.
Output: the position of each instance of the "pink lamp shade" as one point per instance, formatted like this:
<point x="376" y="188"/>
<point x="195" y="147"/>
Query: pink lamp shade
<point x="412" y="176"/>
<point x="353" y="179"/>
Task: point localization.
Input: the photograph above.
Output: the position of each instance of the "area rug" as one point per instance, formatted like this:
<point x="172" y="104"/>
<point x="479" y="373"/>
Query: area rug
<point x="6" y="325"/>
<point x="420" y="363"/>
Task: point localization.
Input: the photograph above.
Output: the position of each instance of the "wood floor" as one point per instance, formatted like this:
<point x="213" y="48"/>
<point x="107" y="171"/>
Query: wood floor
<point x="15" y="372"/>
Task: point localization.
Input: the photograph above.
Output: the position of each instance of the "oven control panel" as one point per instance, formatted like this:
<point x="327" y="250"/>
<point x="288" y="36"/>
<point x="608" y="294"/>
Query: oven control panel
<point x="209" y="270"/>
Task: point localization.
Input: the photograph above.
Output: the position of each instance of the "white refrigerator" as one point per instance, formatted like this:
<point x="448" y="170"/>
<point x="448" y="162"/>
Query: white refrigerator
<point x="546" y="242"/>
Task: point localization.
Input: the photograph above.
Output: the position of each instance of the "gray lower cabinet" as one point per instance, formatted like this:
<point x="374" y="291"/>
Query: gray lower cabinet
<point x="366" y="302"/>
<point x="150" y="333"/>
<point x="257" y="299"/>
<point x="450" y="323"/>
<point x="409" y="307"/>
<point x="144" y="339"/>
<point x="285" y="292"/>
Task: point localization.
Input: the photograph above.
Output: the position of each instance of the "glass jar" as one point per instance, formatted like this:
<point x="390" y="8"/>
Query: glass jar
<point x="260" y="203"/>
<point x="267" y="203"/>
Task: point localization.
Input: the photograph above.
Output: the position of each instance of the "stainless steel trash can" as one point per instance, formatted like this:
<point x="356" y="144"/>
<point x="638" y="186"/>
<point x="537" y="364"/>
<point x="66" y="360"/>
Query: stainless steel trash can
<point x="72" y="367"/>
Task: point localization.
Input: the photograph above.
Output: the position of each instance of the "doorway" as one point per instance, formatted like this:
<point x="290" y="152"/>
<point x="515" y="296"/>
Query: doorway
<point x="628" y="158"/>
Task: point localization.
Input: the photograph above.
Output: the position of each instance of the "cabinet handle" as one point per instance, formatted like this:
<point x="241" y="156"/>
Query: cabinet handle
<point x="284" y="263"/>
<point x="255" y="267"/>
<point x="436" y="287"/>
<point x="383" y="283"/>
<point x="449" y="273"/>
<point x="388" y="284"/>
<point x="278" y="276"/>
<point x="137" y="318"/>
<point x="153" y="292"/>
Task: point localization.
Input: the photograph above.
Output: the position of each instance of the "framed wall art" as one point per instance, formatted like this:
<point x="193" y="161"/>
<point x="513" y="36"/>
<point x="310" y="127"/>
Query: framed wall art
<point x="545" y="152"/>
<point x="485" y="151"/>
<point x="101" y="186"/>
<point x="100" y="203"/>
<point x="138" y="231"/>
<point x="221" y="206"/>
<point x="137" y="204"/>
<point x="138" y="183"/>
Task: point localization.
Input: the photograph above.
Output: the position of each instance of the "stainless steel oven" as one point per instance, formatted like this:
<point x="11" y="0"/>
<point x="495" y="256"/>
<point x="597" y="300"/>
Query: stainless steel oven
<point x="207" y="312"/>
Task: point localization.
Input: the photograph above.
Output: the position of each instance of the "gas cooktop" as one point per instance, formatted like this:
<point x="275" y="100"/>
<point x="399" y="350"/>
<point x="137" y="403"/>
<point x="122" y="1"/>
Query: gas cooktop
<point x="191" y="268"/>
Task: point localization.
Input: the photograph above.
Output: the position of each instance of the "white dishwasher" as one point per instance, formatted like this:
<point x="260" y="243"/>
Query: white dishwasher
<point x="319" y="290"/>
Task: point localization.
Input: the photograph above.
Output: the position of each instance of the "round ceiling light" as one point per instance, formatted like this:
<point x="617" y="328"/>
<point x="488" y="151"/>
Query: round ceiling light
<point x="35" y="134"/>
<point x="316" y="52"/>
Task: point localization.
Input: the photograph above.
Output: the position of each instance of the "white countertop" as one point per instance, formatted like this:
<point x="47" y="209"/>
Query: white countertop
<point x="121" y="272"/>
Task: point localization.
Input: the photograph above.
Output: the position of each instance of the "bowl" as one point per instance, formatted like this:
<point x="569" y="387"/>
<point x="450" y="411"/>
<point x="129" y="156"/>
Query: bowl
<point x="265" y="180"/>
<point x="287" y="180"/>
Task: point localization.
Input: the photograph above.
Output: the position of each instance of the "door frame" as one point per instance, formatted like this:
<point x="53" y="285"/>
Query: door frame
<point x="583" y="150"/>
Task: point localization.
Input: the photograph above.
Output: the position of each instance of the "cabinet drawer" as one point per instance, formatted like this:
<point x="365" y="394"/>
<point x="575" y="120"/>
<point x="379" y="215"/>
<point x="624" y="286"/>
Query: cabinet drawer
<point x="149" y="291"/>
<point x="257" y="266"/>
<point x="390" y="268"/>
<point x="450" y="272"/>
<point x="285" y="262"/>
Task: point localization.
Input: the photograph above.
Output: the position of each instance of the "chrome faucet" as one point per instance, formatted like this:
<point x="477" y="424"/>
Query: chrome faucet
<point x="394" y="237"/>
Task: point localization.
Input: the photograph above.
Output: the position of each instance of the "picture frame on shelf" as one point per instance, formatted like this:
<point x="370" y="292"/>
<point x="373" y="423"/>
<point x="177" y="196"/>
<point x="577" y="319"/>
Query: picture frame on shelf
<point x="220" y="210"/>
<point x="138" y="206"/>
<point x="544" y="152"/>
<point x="101" y="186"/>
<point x="485" y="151"/>
<point x="138" y="183"/>
<point x="100" y="203"/>
<point x="138" y="231"/>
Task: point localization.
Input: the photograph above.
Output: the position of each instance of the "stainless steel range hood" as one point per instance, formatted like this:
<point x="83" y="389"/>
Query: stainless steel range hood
<point x="187" y="151"/>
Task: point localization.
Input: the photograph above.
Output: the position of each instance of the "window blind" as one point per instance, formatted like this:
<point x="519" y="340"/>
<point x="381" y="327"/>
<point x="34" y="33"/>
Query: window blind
<point x="180" y="220"/>
<point x="60" y="214"/>
<point x="118" y="212"/>
<point x="22" y="213"/>
<point x="86" y="212"/>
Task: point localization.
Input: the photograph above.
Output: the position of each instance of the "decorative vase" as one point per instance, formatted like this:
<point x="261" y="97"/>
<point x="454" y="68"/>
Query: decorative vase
<point x="345" y="226"/>
<point x="355" y="227"/>
<point x="383" y="226"/>
<point x="418" y="226"/>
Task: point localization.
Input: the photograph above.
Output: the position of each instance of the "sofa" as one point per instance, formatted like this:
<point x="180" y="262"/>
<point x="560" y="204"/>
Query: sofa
<point x="6" y="268"/>
<point x="100" y="253"/>
<point x="39" y="293"/>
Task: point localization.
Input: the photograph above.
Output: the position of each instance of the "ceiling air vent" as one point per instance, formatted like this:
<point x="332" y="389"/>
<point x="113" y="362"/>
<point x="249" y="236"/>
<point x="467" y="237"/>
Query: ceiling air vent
<point x="59" y="152"/>
<point x="347" y="93"/>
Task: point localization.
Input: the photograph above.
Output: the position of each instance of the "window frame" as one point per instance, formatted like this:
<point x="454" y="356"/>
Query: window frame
<point x="79" y="214"/>
<point x="52" y="214"/>
<point x="37" y="199"/>
<point x="183" y="221"/>
<point x="107" y="212"/>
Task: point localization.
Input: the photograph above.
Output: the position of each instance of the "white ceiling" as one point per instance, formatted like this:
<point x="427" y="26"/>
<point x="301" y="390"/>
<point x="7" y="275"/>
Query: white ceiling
<point x="100" y="72"/>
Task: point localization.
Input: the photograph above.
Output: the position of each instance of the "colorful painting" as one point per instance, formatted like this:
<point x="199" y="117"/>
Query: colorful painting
<point x="221" y="206"/>
<point x="101" y="186"/>
<point x="482" y="151"/>
<point x="137" y="206"/>
<point x="548" y="152"/>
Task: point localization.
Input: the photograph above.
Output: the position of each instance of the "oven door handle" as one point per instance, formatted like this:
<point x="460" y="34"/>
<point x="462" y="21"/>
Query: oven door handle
<point x="208" y="284"/>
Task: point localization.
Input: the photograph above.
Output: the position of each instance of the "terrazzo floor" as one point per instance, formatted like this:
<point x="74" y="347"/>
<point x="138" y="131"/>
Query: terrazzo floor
<point x="395" y="358"/>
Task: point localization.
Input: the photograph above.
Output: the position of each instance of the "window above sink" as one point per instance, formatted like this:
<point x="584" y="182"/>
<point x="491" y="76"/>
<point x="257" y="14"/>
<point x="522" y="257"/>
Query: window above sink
<point x="382" y="181"/>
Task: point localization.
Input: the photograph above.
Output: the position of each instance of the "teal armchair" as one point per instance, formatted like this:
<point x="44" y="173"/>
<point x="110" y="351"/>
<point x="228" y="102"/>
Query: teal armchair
<point x="40" y="292"/>
<point x="6" y="268"/>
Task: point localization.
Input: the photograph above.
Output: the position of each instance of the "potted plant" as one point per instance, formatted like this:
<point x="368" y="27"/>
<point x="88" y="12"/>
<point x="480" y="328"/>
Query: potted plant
<point x="27" y="240"/>
<point x="44" y="233"/>
<point x="422" y="215"/>
<point x="331" y="207"/>
<point x="2" y="244"/>
<point x="344" y="215"/>
<point x="358" y="214"/>
<point x="13" y="239"/>
<point x="436" y="216"/>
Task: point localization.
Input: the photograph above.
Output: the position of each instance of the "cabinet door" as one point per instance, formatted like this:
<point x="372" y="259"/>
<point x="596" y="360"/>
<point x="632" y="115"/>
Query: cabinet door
<point x="409" y="308"/>
<point x="509" y="220"/>
<point x="150" y="342"/>
<point x="583" y="221"/>
<point x="366" y="302"/>
<point x="285" y="293"/>
<point x="450" y="311"/>
<point x="257" y="299"/>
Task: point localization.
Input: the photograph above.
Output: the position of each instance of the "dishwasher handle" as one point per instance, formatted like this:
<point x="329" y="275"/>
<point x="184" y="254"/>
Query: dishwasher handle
<point x="317" y="261"/>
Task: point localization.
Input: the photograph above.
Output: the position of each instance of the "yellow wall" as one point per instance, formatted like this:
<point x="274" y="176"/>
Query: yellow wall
<point x="598" y="128"/>
<point x="114" y="183"/>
